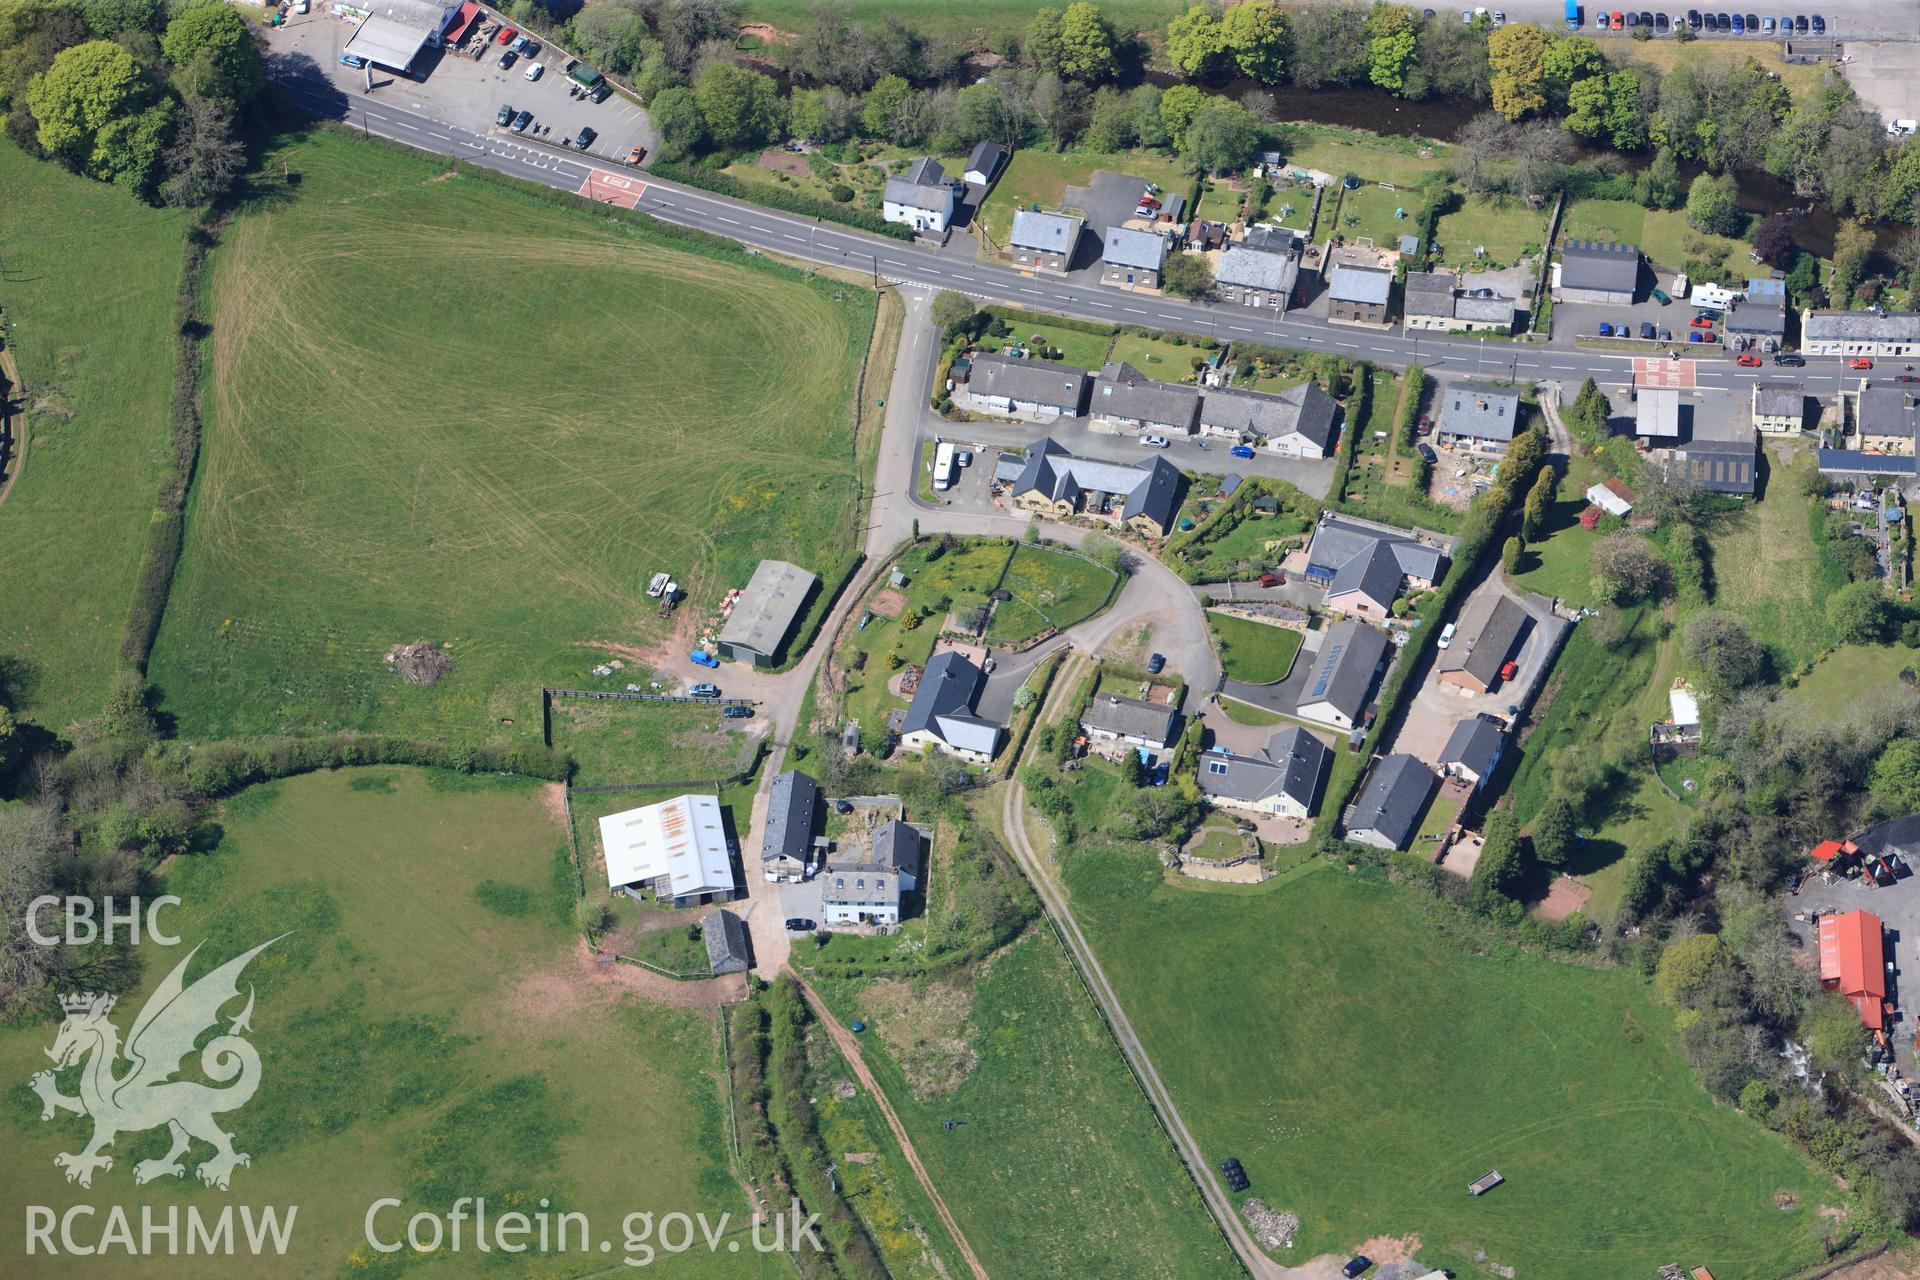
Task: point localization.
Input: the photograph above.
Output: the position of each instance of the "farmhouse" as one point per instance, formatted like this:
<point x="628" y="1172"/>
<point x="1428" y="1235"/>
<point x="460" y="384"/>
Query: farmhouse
<point x="1473" y="749"/>
<point x="1435" y="300"/>
<point x="1044" y="241"/>
<point x="1389" y="806"/>
<point x="1142" y="496"/>
<point x="786" y="846"/>
<point x="1282" y="780"/>
<point x="1008" y="386"/>
<point x="1657" y="413"/>
<point x="984" y="163"/>
<point x="1364" y="566"/>
<point x="1359" y="295"/>
<point x="1853" y="962"/>
<point x="921" y="198"/>
<point x="1598" y="271"/>
<point x="1261" y="270"/>
<point x="1132" y="259"/>
<point x="1343" y="674"/>
<point x="1130" y="721"/>
<point x="1779" y="408"/>
<point x="866" y="885"/>
<point x="1295" y="423"/>
<point x="1490" y="630"/>
<point x="729" y="950"/>
<point x="1475" y="415"/>
<point x="1124" y="400"/>
<point x="941" y="713"/>
<point x="765" y="612"/>
<point x="677" y="848"/>
<point x="1611" y="496"/>
<point x="1882" y="334"/>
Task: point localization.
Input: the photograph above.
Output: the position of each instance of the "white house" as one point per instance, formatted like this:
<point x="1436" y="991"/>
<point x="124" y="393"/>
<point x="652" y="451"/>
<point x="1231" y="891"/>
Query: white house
<point x="921" y="198"/>
<point x="867" y="884"/>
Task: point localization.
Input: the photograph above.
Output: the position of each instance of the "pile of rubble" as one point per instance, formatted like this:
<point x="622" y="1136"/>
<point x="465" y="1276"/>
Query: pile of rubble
<point x="1272" y="1230"/>
<point x="423" y="662"/>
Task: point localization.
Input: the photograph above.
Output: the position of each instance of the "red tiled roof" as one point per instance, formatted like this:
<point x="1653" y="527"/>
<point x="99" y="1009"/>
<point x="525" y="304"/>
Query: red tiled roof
<point x="1619" y="489"/>
<point x="1853" y="962"/>
<point x="1826" y="850"/>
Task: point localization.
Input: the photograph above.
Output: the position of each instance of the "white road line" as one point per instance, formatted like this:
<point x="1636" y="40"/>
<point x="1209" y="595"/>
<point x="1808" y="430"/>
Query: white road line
<point x="729" y="221"/>
<point x="785" y="236"/>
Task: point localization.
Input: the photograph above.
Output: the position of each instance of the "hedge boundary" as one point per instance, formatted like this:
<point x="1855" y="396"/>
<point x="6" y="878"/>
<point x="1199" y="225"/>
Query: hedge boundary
<point x="725" y="184"/>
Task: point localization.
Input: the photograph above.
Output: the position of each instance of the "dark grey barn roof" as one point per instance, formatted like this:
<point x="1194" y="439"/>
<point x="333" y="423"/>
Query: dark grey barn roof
<point x="791" y="805"/>
<point x="1392" y="801"/>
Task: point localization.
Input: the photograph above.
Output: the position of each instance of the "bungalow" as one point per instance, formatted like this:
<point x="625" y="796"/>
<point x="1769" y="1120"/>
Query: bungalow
<point x="941" y="713"/>
<point x="677" y="848"/>
<point x="1882" y="334"/>
<point x="1281" y="780"/>
<point x="1143" y="495"/>
<point x="1261" y="270"/>
<point x="984" y="163"/>
<point x="1474" y="415"/>
<point x="921" y="198"/>
<point x="1359" y="295"/>
<point x="1126" y="400"/>
<point x="1133" y="259"/>
<point x="1044" y="241"/>
<point x="1009" y="387"/>
<point x="1364" y="566"/>
<point x="1473" y="749"/>
<point x="1295" y="423"/>
<point x="1130" y="721"/>
<point x="867" y="884"/>
<point x="1391" y="803"/>
<point x="1341" y="682"/>
<point x="1779" y="408"/>
<point x="1611" y="496"/>
<point x="1490" y="629"/>
<point x="1598" y="271"/>
<point x="786" y="846"/>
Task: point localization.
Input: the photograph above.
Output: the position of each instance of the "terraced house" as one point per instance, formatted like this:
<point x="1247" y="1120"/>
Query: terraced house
<point x="1143" y="495"/>
<point x="1434" y="300"/>
<point x="1012" y="387"/>
<point x="1126" y="400"/>
<point x="1876" y="335"/>
<point x="1296" y="423"/>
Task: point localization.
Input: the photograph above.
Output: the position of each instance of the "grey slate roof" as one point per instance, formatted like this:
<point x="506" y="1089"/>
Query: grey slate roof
<point x="1718" y="466"/>
<point x="1266" y="258"/>
<point x="1481" y="411"/>
<point x="1474" y="744"/>
<point x="1131" y="718"/>
<point x="1852" y="460"/>
<point x="1150" y="487"/>
<point x="1764" y="316"/>
<point x="1486" y="639"/>
<point x="1007" y="467"/>
<point x="1370" y="285"/>
<point x="1343" y="673"/>
<point x="766" y="610"/>
<point x="895" y="848"/>
<point x="1122" y="391"/>
<point x="1498" y="308"/>
<point x="1293" y="763"/>
<point x="791" y="804"/>
<point x="1045" y="232"/>
<point x="1126" y="247"/>
<point x="1338" y="543"/>
<point x="1268" y="238"/>
<point x="728" y="949"/>
<point x="1599" y="264"/>
<point x="1304" y="408"/>
<point x="1780" y="399"/>
<point x="943" y="704"/>
<point x="1860" y="326"/>
<point x="925" y="171"/>
<point x="1062" y="386"/>
<point x="922" y="186"/>
<point x="1888" y="409"/>
<point x="859" y="886"/>
<point x="1429" y="293"/>
<point x="1392" y="801"/>
<point x="986" y="157"/>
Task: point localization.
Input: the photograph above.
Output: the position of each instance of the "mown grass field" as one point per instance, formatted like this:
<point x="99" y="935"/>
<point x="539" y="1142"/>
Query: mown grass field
<point x="1367" y="212"/>
<point x="426" y="1030"/>
<point x="1365" y="1064"/>
<point x="1370" y="157"/>
<point x="1254" y="651"/>
<point x="627" y="742"/>
<point x="420" y="429"/>
<point x="89" y="289"/>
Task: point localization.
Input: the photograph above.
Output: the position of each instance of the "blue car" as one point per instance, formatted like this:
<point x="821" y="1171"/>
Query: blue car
<point x="353" y="60"/>
<point x="1241" y="451"/>
<point x="701" y="658"/>
<point x="1606" y="330"/>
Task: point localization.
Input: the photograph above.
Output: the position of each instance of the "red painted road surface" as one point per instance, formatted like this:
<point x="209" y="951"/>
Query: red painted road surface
<point x="1662" y="371"/>
<point x="613" y="188"/>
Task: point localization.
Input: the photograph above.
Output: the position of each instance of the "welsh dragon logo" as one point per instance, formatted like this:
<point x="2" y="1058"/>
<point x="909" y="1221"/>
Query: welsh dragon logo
<point x="146" y="1095"/>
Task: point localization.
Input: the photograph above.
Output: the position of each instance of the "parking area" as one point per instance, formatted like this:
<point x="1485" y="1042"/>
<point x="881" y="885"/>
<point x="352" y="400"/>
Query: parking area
<point x="1897" y="905"/>
<point x="452" y="86"/>
<point x="1109" y="200"/>
<point x="1581" y="321"/>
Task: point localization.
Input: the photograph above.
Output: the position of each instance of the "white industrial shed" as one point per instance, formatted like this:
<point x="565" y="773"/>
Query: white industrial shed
<point x="677" y="848"/>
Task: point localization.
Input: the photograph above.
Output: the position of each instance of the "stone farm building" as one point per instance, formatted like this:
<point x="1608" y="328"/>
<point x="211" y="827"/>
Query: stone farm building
<point x="763" y="615"/>
<point x="867" y="883"/>
<point x="1011" y="386"/>
<point x="729" y="949"/>
<point x="941" y="713"/>
<point x="1142" y="496"/>
<point x="676" y="848"/>
<point x="1296" y="423"/>
<point x="1281" y="780"/>
<point x="1044" y="241"/>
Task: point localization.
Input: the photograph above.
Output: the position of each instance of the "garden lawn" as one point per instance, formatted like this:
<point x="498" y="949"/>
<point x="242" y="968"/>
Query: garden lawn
<point x="1850" y="677"/>
<point x="1767" y="569"/>
<point x="1082" y="350"/>
<point x="1157" y="357"/>
<point x="1667" y="240"/>
<point x="1254" y="652"/>
<point x="1556" y="565"/>
<point x="1368" y="211"/>
<point x="1619" y="220"/>
<point x="1064" y="587"/>
<point x="1352" y="1031"/>
<point x="1371" y="157"/>
<point x="1504" y="228"/>
<point x="1038" y="176"/>
<point x="428" y="1030"/>
<point x="1244" y="549"/>
<point x="411" y="436"/>
<point x="89" y="290"/>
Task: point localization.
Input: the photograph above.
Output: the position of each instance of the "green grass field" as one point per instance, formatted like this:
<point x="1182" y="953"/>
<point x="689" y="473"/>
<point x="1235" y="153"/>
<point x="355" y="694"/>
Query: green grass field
<point x="419" y="430"/>
<point x="1662" y="234"/>
<point x="1371" y="157"/>
<point x="427" y="1030"/>
<point x="621" y="741"/>
<point x="1083" y="350"/>
<point x="1504" y="228"/>
<point x="1367" y="212"/>
<point x="1254" y="651"/>
<point x="1365" y="1063"/>
<point x="1156" y="357"/>
<point x="1064" y="588"/>
<point x="1767" y="568"/>
<point x="1851" y="677"/>
<point x="91" y="279"/>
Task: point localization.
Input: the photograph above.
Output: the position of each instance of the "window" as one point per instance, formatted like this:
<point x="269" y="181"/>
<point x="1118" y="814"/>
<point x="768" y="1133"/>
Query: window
<point x="861" y="883"/>
<point x="1216" y="766"/>
<point x="839" y="882"/>
<point x="880" y="885"/>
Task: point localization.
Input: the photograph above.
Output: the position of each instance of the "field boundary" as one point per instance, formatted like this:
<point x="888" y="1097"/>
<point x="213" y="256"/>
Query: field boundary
<point x="13" y="426"/>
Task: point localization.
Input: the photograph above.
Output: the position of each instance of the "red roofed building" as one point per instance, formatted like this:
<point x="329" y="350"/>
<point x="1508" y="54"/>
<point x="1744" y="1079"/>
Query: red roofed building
<point x="1826" y="851"/>
<point x="1853" y="963"/>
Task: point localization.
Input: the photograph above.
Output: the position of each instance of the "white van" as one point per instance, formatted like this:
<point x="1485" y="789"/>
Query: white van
<point x="534" y="70"/>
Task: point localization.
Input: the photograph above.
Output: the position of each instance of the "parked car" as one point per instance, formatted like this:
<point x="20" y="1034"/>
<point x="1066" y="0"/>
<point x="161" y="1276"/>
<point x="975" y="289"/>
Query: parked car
<point x="1666" y="334"/>
<point x="1860" y="362"/>
<point x="1819" y="25"/>
<point x="1646" y="18"/>
<point x="584" y="138"/>
<point x="1766" y="25"/>
<point x="534" y="70"/>
<point x="799" y="924"/>
<point x="701" y="658"/>
<point x="1695" y="336"/>
<point x="1273" y="578"/>
<point x="1662" y="297"/>
<point x="1241" y="451"/>
<point x="1800" y="23"/>
<point x="1660" y="23"/>
<point x="1748" y="360"/>
<point x="1722" y="22"/>
<point x="1646" y="330"/>
<point x="1141" y="211"/>
<point x="1701" y="322"/>
<point x="1606" y="330"/>
<point x="506" y="35"/>
<point x="635" y="156"/>
<point x="737" y="712"/>
<point x="704" y="691"/>
<point x="1693" y="19"/>
<point x="504" y="116"/>
<point x="1426" y="452"/>
<point x="1155" y="442"/>
<point x="1356" y="1265"/>
<point x="353" y="60"/>
<point x="1790" y="361"/>
<point x="521" y="121"/>
<point x="1739" y="27"/>
<point x="1424" y="427"/>
<point x="1633" y="19"/>
<point x="508" y="58"/>
<point x="1508" y="669"/>
<point x="1156" y="664"/>
<point x="1499" y="17"/>
<point x="531" y="49"/>
<point x="1908" y="377"/>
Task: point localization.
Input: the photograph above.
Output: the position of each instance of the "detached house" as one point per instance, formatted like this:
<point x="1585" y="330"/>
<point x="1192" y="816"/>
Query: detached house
<point x="1390" y="805"/>
<point x="1474" y="415"/>
<point x="941" y="713"/>
<point x="1295" y="423"/>
<point x="921" y="198"/>
<point x="1359" y="295"/>
<point x="1044" y="241"/>
<point x="1281" y="780"/>
<point x="867" y="883"/>
<point x="1365" y="566"/>
<point x="1490" y="631"/>
<point x="1130" y="722"/>
<point x="1126" y="400"/>
<point x="1341" y="682"/>
<point x="1473" y="749"/>
<point x="1133" y="259"/>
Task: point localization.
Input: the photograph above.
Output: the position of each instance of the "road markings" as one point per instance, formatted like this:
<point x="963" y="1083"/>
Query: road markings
<point x="613" y="189"/>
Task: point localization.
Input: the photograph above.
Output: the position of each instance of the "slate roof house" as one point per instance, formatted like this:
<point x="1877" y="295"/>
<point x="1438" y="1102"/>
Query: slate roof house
<point x="1598" y="271"/>
<point x="1473" y="749"/>
<point x="984" y="163"/>
<point x="1132" y="721"/>
<point x="1282" y="780"/>
<point x="1762" y="321"/>
<point x="1133" y="259"/>
<point x="1475" y="415"/>
<point x="1296" y="423"/>
<point x="1337" y="690"/>
<point x="729" y="950"/>
<point x="1489" y="632"/>
<point x="1779" y="408"/>
<point x="1434" y="300"/>
<point x="1390" y="805"/>
<point x="1044" y="241"/>
<point x="1359" y="295"/>
<point x="1262" y="269"/>
<point x="1860" y="333"/>
<point x="786" y="846"/>
<point x="1126" y="400"/>
<point x="1364" y="566"/>
<point x="1887" y="417"/>
<point x="868" y="884"/>
<point x="1143" y="496"/>
<point x="941" y="713"/>
<point x="1009" y="386"/>
<point x="921" y="198"/>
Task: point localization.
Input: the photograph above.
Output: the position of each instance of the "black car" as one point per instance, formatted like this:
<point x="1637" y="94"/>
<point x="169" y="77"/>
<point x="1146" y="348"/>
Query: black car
<point x="584" y="138"/>
<point x="737" y="712"/>
<point x="1790" y="362"/>
<point x="521" y="121"/>
<point x="600" y="92"/>
<point x="1693" y="19"/>
<point x="531" y="48"/>
<point x="1356" y="1265"/>
<point x="1426" y="452"/>
<point x="799" y="924"/>
<point x="1800" y="23"/>
<point x="1156" y="664"/>
<point x="1659" y="22"/>
<point x="1753" y="24"/>
<point x="843" y="806"/>
<point x="1819" y="25"/>
<point x="508" y="58"/>
<point x="1646" y="330"/>
<point x="1633" y="19"/>
<point x="1646" y="18"/>
<point x="1721" y="22"/>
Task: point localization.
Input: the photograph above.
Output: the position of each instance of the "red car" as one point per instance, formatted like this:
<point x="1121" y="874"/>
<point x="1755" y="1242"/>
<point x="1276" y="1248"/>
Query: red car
<point x="1701" y="322"/>
<point x="1749" y="361"/>
<point x="1272" y="579"/>
<point x="1859" y="362"/>
<point x="1507" y="671"/>
<point x="506" y="35"/>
